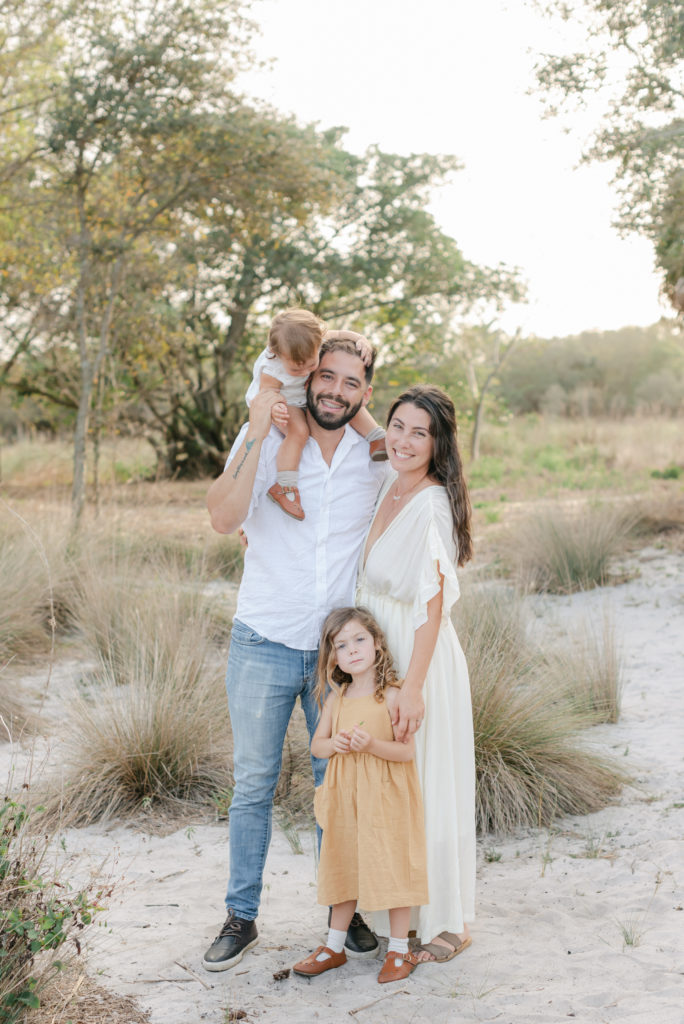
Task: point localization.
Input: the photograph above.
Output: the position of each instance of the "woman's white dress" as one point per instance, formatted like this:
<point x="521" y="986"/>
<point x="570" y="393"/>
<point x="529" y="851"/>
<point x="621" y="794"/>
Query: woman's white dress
<point x="397" y="577"/>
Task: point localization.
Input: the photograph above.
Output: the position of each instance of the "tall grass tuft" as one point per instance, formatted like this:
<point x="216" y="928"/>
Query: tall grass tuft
<point x="150" y="729"/>
<point x="531" y="764"/>
<point x="25" y="587"/>
<point x="16" y="718"/>
<point x="214" y="558"/>
<point x="114" y="601"/>
<point x="559" y="553"/>
<point x="588" y="673"/>
<point x="658" y="515"/>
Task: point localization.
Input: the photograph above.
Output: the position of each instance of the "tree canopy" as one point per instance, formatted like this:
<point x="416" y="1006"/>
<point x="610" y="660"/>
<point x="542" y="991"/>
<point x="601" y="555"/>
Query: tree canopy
<point x="154" y="219"/>
<point x="633" y="59"/>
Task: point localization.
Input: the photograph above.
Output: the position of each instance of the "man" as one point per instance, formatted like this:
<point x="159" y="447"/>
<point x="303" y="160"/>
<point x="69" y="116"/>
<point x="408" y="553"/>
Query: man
<point x="295" y="573"/>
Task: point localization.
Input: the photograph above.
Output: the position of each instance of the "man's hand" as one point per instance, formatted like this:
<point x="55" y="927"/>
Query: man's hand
<point x="408" y="714"/>
<point x="261" y="412"/>
<point x="280" y="416"/>
<point x="341" y="742"/>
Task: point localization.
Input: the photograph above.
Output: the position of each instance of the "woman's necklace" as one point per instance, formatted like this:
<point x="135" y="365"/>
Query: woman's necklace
<point x="397" y="496"/>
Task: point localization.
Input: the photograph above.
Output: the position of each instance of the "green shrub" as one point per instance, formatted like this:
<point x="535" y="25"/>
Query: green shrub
<point x="40" y="917"/>
<point x="669" y="473"/>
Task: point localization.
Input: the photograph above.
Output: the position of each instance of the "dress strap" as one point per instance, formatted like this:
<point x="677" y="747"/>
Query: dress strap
<point x="336" y="715"/>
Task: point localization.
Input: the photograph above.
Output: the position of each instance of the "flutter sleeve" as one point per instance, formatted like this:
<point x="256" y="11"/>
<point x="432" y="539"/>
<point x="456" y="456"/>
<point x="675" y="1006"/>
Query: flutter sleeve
<point x="438" y="555"/>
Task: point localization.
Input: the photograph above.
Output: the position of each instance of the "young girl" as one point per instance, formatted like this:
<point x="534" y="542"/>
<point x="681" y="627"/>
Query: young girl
<point x="369" y="806"/>
<point x="285" y="365"/>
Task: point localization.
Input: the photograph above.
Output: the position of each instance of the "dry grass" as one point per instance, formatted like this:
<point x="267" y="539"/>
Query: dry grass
<point x="560" y="553"/>
<point x="44" y="464"/>
<point x="74" y="998"/>
<point x="295" y="790"/>
<point x="149" y="730"/>
<point x="16" y="717"/>
<point x="118" y="603"/>
<point x="528" y="456"/>
<point x="659" y="515"/>
<point x="25" y="584"/>
<point x="158" y="744"/>
<point x="589" y="672"/>
<point x="531" y="763"/>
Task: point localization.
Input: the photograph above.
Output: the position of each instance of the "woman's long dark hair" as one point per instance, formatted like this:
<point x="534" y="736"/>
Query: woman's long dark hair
<point x="445" y="465"/>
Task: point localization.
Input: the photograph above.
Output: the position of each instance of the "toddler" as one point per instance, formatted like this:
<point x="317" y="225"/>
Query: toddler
<point x="285" y="365"/>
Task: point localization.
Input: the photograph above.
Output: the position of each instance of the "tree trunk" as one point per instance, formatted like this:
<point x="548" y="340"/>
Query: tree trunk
<point x="477" y="428"/>
<point x="86" y="367"/>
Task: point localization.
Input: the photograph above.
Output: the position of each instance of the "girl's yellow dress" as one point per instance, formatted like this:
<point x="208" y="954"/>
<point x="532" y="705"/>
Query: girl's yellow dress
<point x="371" y="814"/>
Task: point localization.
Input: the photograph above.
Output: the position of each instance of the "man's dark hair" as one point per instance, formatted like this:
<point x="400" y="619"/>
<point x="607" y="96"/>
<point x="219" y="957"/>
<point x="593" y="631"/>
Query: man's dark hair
<point x="333" y="345"/>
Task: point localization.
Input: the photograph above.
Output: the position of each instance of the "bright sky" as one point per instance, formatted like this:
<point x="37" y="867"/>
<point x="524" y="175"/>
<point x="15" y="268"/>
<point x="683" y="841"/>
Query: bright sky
<point x="451" y="76"/>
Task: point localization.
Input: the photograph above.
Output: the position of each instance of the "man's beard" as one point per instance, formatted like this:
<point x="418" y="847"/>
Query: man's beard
<point x="329" y="420"/>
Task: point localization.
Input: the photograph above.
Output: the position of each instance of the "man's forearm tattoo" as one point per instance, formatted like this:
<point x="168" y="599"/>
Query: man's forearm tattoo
<point x="248" y="445"/>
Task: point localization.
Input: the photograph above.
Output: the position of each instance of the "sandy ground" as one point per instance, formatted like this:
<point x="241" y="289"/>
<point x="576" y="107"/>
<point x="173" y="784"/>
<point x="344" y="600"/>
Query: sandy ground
<point x="583" y="921"/>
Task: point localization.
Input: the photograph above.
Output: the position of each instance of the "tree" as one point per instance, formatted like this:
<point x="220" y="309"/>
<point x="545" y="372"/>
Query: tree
<point x="484" y="350"/>
<point x="140" y="136"/>
<point x="634" y="62"/>
<point x="159" y="219"/>
<point x="370" y="257"/>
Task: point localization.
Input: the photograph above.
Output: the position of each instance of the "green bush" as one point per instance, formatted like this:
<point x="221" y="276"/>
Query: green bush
<point x="669" y="473"/>
<point x="39" y="915"/>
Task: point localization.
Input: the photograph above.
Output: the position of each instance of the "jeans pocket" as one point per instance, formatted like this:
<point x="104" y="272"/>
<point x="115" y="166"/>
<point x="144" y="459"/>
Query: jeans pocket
<point x="242" y="634"/>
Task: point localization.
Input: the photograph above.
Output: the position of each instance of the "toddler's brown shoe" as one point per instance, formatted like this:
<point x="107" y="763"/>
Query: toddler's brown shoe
<point x="378" y="450"/>
<point x="288" y="498"/>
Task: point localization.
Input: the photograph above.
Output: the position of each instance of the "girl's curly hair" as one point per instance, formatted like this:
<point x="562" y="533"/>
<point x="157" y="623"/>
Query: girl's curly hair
<point x="330" y="675"/>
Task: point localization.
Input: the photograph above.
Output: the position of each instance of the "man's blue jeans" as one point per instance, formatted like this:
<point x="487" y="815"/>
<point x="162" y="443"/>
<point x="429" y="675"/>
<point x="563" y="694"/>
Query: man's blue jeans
<point x="263" y="681"/>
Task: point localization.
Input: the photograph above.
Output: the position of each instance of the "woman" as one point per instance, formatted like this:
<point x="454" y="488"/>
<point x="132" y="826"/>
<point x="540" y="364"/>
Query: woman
<point x="407" y="580"/>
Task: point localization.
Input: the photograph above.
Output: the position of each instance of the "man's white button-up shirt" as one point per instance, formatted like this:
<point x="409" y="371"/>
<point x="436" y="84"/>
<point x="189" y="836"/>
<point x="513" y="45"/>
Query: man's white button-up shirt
<point x="296" y="572"/>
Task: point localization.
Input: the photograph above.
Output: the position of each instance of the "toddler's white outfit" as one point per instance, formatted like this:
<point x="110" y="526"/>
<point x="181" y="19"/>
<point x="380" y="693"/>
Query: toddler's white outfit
<point x="293" y="389"/>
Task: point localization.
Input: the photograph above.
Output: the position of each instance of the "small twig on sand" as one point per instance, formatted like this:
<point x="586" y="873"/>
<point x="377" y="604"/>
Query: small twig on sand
<point x="194" y="975"/>
<point x="367" y="1006"/>
<point x="166" y="981"/>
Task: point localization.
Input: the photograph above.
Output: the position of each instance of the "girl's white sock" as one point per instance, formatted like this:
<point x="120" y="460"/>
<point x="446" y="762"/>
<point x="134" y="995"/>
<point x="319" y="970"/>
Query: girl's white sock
<point x="335" y="942"/>
<point x="398" y="946"/>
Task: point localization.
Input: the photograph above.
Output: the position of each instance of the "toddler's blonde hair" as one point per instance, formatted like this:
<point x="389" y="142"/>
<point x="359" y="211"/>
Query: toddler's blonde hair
<point x="296" y="334"/>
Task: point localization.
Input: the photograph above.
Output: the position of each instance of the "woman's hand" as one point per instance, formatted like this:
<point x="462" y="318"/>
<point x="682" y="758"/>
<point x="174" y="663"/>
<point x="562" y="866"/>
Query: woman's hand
<point x="408" y="713"/>
<point x="342" y="742"/>
<point x="360" y="739"/>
